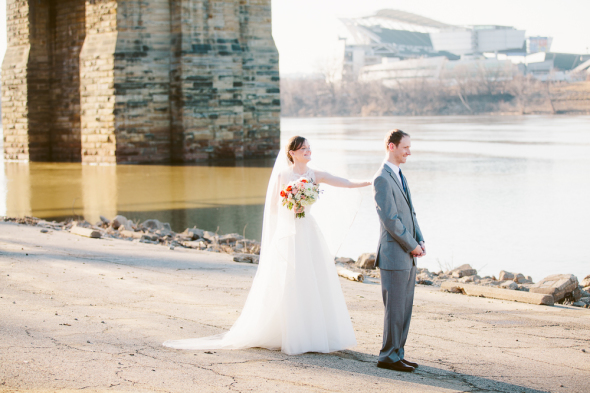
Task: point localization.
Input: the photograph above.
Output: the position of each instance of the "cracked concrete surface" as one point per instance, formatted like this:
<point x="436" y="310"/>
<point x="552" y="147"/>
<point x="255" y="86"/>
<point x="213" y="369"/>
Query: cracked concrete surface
<point x="86" y="314"/>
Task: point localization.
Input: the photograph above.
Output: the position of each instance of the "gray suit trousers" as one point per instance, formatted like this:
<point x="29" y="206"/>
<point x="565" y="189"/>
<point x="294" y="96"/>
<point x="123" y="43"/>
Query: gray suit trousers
<point x="397" y="287"/>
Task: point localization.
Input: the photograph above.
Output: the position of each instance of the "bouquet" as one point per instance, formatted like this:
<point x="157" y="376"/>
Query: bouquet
<point x="300" y="193"/>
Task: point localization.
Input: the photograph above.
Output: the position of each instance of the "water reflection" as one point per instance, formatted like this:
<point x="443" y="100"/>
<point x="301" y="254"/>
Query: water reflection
<point x="230" y="198"/>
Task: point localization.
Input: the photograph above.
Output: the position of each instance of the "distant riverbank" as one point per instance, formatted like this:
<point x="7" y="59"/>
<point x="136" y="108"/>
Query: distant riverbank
<point x="519" y="96"/>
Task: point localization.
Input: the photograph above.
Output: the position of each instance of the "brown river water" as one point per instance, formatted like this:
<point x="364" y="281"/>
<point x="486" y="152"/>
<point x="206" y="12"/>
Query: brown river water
<point x="499" y="193"/>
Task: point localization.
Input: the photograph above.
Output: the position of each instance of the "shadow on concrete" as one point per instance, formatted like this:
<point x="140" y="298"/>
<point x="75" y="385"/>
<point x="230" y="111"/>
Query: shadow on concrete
<point x="424" y="375"/>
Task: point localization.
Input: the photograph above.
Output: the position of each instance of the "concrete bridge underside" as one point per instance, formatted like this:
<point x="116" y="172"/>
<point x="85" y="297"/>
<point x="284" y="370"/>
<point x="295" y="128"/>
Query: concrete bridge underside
<point x="139" y="81"/>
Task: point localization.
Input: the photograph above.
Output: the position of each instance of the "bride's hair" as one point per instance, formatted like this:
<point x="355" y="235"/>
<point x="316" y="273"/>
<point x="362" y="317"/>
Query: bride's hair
<point x="294" y="144"/>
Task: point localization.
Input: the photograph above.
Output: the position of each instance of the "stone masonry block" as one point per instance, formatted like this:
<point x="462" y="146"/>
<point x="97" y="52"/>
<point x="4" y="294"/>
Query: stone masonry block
<point x="557" y="285"/>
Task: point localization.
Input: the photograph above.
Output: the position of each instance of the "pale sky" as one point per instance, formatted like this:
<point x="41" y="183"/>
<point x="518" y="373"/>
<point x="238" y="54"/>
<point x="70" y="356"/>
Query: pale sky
<point x="306" y="31"/>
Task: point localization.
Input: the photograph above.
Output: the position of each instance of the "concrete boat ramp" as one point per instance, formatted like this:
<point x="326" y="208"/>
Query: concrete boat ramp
<point x="91" y="314"/>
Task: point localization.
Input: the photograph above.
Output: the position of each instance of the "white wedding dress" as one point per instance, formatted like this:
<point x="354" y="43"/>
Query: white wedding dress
<point x="296" y="302"/>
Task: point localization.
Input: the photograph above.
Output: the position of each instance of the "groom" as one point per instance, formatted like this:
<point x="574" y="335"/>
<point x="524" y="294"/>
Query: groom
<point x="400" y="243"/>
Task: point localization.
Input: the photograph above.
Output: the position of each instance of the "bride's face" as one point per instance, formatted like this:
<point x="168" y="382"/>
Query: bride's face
<point x="303" y="154"/>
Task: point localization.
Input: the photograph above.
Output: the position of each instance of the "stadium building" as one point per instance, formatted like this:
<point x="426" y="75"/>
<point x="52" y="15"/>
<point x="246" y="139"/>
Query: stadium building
<point x="396" y="46"/>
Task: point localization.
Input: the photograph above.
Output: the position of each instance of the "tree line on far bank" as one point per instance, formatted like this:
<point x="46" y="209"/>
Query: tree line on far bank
<point x="460" y="95"/>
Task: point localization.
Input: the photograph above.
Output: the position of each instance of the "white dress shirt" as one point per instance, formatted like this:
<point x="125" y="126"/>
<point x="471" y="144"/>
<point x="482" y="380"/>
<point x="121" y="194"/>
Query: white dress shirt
<point x="396" y="171"/>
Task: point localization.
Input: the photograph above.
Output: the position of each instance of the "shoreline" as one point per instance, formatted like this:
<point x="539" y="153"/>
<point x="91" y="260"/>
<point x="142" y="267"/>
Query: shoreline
<point x="83" y="313"/>
<point x="572" y="291"/>
<point x="572" y="113"/>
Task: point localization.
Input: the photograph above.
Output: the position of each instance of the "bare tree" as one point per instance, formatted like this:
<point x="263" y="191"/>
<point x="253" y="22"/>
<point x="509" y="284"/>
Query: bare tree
<point x="457" y="92"/>
<point x="548" y="91"/>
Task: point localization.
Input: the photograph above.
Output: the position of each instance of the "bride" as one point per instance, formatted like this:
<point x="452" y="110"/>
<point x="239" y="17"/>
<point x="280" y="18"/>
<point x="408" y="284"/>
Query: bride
<point x="296" y="302"/>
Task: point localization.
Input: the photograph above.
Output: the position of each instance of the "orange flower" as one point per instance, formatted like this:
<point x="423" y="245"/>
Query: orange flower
<point x="289" y="188"/>
<point x="283" y="194"/>
<point x="303" y="181"/>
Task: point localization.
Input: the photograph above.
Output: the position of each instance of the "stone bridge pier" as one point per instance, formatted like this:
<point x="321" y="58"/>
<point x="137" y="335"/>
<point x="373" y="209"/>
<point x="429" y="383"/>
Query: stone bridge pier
<point x="139" y="81"/>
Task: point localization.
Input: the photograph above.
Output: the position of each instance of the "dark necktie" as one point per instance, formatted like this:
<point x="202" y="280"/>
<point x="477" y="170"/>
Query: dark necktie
<point x="401" y="175"/>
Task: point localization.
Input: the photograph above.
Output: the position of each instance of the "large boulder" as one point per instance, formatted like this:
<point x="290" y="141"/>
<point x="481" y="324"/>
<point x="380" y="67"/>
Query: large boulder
<point x="120" y="221"/>
<point x="586" y="281"/>
<point x="246" y="258"/>
<point x="559" y="286"/>
<point x="155" y="225"/>
<point x="475" y="279"/>
<point x="367" y="261"/>
<point x="576" y="294"/>
<point x="522" y="279"/>
<point x="509" y="285"/>
<point x="193" y="233"/>
<point x="463" y="271"/>
<point x="424" y="277"/>
<point x="505" y="276"/>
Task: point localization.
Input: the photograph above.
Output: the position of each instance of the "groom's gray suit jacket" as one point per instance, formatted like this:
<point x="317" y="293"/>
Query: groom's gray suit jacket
<point x="400" y="232"/>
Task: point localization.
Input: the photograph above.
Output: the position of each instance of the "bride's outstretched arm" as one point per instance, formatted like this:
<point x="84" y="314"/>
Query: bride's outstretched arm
<point x="325" y="177"/>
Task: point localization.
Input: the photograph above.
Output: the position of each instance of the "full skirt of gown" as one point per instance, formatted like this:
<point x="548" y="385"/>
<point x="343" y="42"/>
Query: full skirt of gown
<point x="296" y="302"/>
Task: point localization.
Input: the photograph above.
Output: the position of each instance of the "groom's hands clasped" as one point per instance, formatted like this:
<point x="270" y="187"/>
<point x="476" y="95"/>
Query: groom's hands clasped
<point x="419" y="251"/>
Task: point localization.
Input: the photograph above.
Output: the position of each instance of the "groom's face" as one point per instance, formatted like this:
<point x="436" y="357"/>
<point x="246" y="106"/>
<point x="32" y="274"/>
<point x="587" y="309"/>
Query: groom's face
<point x="401" y="152"/>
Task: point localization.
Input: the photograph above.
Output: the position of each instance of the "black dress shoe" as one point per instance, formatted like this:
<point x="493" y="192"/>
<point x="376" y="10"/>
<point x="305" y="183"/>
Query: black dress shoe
<point x="397" y="366"/>
<point x="408" y="363"/>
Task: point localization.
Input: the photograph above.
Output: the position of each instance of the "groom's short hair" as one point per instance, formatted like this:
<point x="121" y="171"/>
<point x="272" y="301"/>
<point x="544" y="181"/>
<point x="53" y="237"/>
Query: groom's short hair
<point x="395" y="137"/>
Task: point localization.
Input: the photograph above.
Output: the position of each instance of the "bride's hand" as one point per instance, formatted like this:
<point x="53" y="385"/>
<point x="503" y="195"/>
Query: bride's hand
<point x="299" y="209"/>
